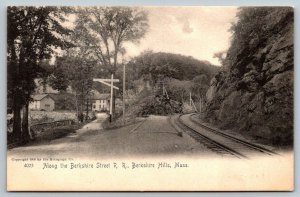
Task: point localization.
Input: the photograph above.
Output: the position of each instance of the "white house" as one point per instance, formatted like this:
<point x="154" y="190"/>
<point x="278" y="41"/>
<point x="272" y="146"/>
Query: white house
<point x="42" y="102"/>
<point x="100" y="102"/>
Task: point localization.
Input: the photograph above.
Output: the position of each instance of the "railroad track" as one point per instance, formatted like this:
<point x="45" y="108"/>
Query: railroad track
<point x="246" y="143"/>
<point x="216" y="141"/>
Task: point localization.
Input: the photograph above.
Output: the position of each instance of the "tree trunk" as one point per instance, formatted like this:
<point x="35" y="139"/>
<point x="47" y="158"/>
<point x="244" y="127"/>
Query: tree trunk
<point x="25" y="125"/>
<point x="17" y="118"/>
<point x="182" y="97"/>
<point x="44" y="86"/>
<point x="81" y="105"/>
<point x="16" y="103"/>
<point x="76" y="103"/>
<point x="113" y="104"/>
<point x="87" y="109"/>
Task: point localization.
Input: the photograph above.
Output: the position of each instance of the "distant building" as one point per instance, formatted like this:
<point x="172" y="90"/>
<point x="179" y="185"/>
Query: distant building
<point x="100" y="102"/>
<point x="42" y="102"/>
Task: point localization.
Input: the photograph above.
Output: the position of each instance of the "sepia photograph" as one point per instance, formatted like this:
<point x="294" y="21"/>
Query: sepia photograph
<point x="173" y="98"/>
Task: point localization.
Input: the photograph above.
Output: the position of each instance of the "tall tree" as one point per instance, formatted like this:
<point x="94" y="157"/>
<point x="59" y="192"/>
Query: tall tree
<point x="76" y="70"/>
<point x="104" y="30"/>
<point x="33" y="33"/>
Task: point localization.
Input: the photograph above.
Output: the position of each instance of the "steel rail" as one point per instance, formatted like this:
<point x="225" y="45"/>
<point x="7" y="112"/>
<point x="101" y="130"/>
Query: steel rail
<point x="248" y="144"/>
<point x="208" y="142"/>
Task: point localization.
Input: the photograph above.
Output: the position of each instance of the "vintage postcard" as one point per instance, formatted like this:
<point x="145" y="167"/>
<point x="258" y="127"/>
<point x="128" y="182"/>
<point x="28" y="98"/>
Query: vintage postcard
<point x="150" y="98"/>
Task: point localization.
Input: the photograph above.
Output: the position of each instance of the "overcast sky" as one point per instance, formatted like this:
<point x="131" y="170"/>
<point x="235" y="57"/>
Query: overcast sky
<point x="199" y="32"/>
<point x="193" y="31"/>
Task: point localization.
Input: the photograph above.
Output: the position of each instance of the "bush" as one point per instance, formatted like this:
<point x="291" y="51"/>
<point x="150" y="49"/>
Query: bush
<point x="161" y="105"/>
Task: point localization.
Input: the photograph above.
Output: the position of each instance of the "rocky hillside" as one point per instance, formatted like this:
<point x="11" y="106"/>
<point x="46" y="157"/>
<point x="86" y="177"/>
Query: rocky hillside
<point x="254" y="92"/>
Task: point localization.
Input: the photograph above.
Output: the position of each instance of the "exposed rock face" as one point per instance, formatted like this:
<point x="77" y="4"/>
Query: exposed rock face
<point x="255" y="93"/>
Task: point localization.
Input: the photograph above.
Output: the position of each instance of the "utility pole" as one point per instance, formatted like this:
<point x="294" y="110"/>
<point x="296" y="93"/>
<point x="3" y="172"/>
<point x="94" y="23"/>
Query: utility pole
<point x="200" y="104"/>
<point x="111" y="97"/>
<point x="124" y="79"/>
<point x="190" y="98"/>
<point x="192" y="104"/>
<point x="161" y="84"/>
<point x="106" y="82"/>
<point x="165" y="92"/>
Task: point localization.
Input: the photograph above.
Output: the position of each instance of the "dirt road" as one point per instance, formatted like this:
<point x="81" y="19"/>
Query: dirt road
<point x="153" y="136"/>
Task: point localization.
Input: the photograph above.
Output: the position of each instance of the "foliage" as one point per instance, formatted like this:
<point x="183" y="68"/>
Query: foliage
<point x="200" y="86"/>
<point x="253" y="93"/>
<point x="31" y="37"/>
<point x="153" y="66"/>
<point x="58" y="79"/>
<point x="181" y="74"/>
<point x="102" y="31"/>
<point x="254" y="26"/>
<point x="179" y="90"/>
<point x="78" y="73"/>
<point x="160" y="105"/>
<point x="33" y="33"/>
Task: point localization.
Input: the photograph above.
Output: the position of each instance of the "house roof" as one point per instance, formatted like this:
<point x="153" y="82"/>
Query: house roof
<point x="38" y="97"/>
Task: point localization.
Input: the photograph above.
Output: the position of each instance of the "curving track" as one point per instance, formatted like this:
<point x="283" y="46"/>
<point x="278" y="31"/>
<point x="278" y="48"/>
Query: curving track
<point x="215" y="140"/>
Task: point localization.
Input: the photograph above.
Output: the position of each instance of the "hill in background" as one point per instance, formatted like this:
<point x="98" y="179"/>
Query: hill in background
<point x="181" y="75"/>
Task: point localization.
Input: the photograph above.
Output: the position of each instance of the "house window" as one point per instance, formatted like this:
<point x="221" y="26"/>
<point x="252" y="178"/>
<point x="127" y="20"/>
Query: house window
<point x="47" y="105"/>
<point x="35" y="105"/>
<point x="94" y="106"/>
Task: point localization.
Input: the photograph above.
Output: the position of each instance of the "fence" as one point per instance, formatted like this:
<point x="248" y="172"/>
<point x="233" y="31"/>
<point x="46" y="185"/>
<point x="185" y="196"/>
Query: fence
<point x="38" y="128"/>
